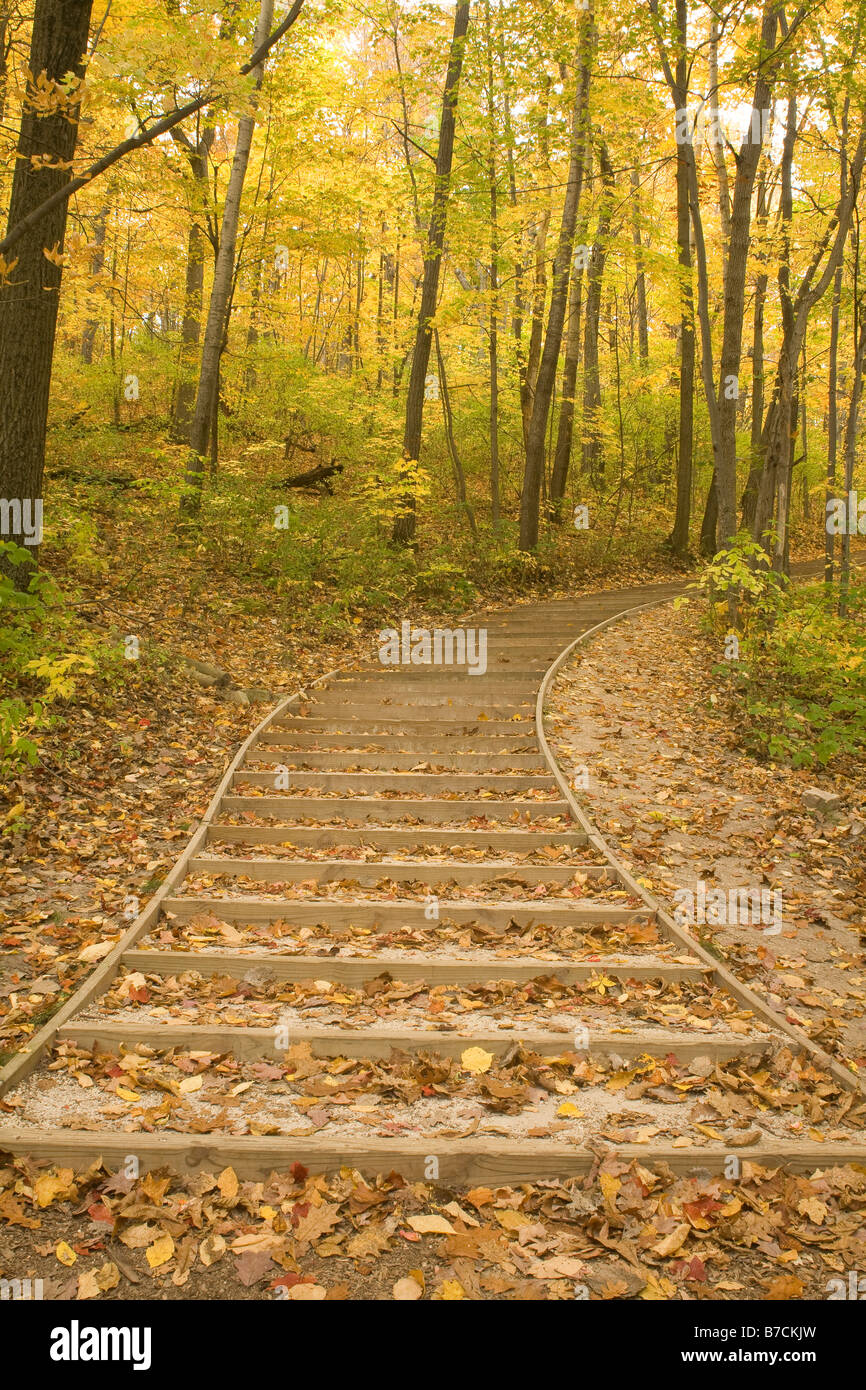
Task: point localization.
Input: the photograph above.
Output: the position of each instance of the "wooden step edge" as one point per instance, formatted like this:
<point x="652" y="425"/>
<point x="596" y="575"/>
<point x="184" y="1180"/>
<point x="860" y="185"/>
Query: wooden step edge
<point x="506" y="840"/>
<point x="399" y="781"/>
<point x="350" y="808"/>
<point x="452" y="745"/>
<point x="250" y="1044"/>
<point x="475" y="1160"/>
<point x="407" y="911"/>
<point x="363" y="763"/>
<point x="435" y="970"/>
<point x="275" y="870"/>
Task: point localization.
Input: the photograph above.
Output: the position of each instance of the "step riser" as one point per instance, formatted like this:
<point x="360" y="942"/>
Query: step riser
<point x="375" y="809"/>
<point x="449" y="709"/>
<point x="445" y="746"/>
<point x="394" y="915"/>
<point x="472" y="1161"/>
<point x="397" y="727"/>
<point x="367" y="875"/>
<point x="397" y="762"/>
<point x="420" y="782"/>
<point x="260" y="1044"/>
<point x="346" y="971"/>
<point x="492" y="841"/>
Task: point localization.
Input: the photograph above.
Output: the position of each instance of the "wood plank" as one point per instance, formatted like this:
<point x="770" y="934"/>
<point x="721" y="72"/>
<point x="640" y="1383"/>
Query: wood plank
<point x="455" y="761"/>
<point x="523" y="841"/>
<point x="369" y="873"/>
<point x="257" y="1044"/>
<point x="436" y="970"/>
<point x="358" y="782"/>
<point x="406" y="912"/>
<point x="461" y="727"/>
<point x="473" y="1161"/>
<point x="446" y="743"/>
<point x="382" y="809"/>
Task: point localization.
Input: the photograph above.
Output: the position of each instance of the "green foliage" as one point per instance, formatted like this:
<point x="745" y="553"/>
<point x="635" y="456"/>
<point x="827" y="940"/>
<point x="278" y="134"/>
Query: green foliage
<point x="35" y="634"/>
<point x="798" y="690"/>
<point x="739" y="577"/>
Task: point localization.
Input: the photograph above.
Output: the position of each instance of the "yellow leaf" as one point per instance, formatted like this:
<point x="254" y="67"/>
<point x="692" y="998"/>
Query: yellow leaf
<point x="431" y="1225"/>
<point x="160" y="1252"/>
<point x="65" y="1254"/>
<point x="569" y="1111"/>
<point x="610" y="1187"/>
<point x="476" y="1060"/>
<point x="450" y="1291"/>
<point x="190" y="1083"/>
<point x="657" y="1290"/>
<point x="513" y="1220"/>
<point x="227" y="1183"/>
<point x="56" y="1183"/>
<point x="670" y="1244"/>
<point x="620" y="1080"/>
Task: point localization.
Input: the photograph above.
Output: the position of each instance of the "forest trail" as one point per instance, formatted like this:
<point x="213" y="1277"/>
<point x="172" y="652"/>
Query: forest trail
<point x="395" y="943"/>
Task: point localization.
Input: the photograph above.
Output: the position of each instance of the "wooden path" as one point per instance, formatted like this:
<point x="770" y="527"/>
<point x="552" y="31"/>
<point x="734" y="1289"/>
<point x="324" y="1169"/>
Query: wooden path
<point x="395" y="887"/>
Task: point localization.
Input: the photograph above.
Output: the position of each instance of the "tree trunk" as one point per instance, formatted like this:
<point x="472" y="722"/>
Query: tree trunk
<point x="493" y="318"/>
<point x="208" y="384"/>
<point x="640" y="279"/>
<point x="29" y="295"/>
<point x="716" y="144"/>
<point x="735" y="283"/>
<point x="97" y="265"/>
<point x="592" y="452"/>
<point x="565" y="430"/>
<point x="832" y="418"/>
<point x="404" y="523"/>
<point x="685" y="450"/>
<point x="534" y="471"/>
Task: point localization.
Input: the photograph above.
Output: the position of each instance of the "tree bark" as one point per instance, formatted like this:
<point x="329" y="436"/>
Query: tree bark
<point x="208" y="383"/>
<point x="592" y="451"/>
<point x="30" y="294"/>
<point x="534" y="470"/>
<point x="685" y="450"/>
<point x="403" y="532"/>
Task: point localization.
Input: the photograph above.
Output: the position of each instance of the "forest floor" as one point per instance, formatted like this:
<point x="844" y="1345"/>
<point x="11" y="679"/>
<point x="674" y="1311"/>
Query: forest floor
<point x="682" y="804"/>
<point x="132" y="775"/>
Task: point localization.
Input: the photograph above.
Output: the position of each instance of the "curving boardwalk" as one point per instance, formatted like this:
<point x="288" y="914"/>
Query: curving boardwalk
<point x="397" y="943"/>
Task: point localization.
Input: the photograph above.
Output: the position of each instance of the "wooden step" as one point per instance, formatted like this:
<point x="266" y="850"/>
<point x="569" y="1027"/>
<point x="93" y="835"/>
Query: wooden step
<point x="431" y="708"/>
<point x="438" y="970"/>
<point x="490" y="840"/>
<point x="401" y="912"/>
<point x="357" y="783"/>
<point x="438" y="728"/>
<point x="396" y="762"/>
<point x="367" y="873"/>
<point x="474" y="1161"/>
<point x="382" y="809"/>
<point x="260" y="1044"/>
<point x="446" y="744"/>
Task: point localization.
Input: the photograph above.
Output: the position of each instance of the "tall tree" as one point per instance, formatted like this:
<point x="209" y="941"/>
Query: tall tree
<point x="404" y="523"/>
<point x="530" y="499"/>
<point x="207" y="396"/>
<point x="30" y="284"/>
